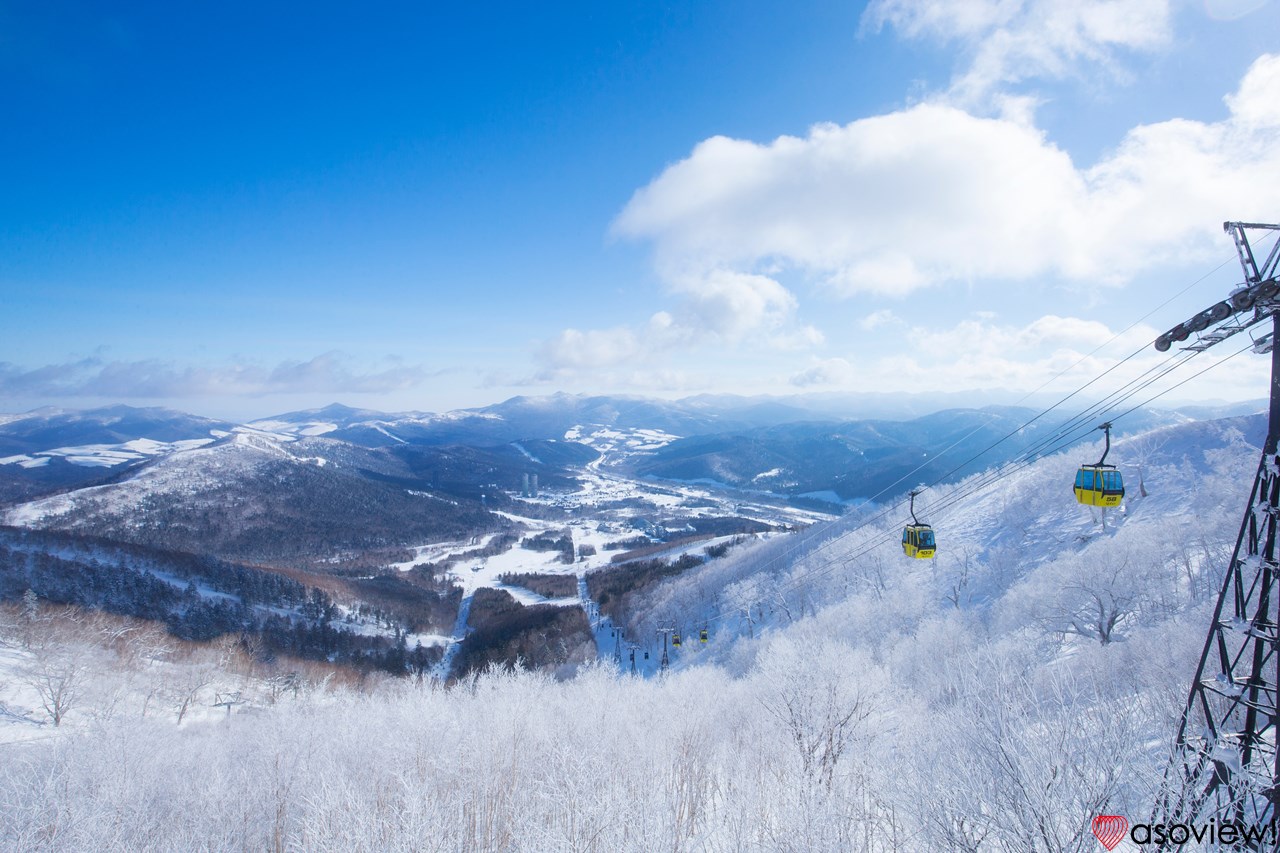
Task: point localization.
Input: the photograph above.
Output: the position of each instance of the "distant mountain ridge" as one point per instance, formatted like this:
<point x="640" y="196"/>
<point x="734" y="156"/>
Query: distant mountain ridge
<point x="45" y="429"/>
<point x="862" y="458"/>
<point x="52" y="449"/>
<point x="793" y="445"/>
<point x="253" y="496"/>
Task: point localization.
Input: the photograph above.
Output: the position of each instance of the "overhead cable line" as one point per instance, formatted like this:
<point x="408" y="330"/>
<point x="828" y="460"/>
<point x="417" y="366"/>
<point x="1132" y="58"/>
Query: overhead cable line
<point x="1061" y="439"/>
<point x="887" y="489"/>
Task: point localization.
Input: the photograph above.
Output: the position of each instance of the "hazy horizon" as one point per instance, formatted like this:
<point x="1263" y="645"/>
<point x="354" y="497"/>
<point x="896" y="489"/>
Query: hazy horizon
<point x="829" y="404"/>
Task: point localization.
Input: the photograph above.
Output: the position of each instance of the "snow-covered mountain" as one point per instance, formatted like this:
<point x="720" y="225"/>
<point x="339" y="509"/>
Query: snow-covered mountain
<point x="251" y="495"/>
<point x="51" y="449"/>
<point x="522" y="418"/>
<point x="42" y="430"/>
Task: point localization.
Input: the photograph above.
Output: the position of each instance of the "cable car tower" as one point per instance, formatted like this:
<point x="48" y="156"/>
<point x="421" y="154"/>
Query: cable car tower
<point x="1225" y="763"/>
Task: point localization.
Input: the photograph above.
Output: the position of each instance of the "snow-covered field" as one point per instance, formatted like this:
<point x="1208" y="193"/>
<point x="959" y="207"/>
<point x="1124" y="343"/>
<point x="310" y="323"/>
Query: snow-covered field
<point x="604" y="510"/>
<point x="105" y="455"/>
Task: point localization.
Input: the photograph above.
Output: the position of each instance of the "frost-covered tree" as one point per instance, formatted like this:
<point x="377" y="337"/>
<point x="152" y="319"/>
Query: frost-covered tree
<point x="822" y="697"/>
<point x="1024" y="758"/>
<point x="57" y="674"/>
<point x="1094" y="593"/>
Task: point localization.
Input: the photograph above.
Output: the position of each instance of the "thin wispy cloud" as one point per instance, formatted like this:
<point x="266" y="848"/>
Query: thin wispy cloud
<point x="1003" y="43"/>
<point x="983" y="352"/>
<point x="330" y="372"/>
<point x="826" y="372"/>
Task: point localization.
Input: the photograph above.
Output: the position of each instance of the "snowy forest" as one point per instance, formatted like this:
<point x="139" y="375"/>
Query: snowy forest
<point x="994" y="698"/>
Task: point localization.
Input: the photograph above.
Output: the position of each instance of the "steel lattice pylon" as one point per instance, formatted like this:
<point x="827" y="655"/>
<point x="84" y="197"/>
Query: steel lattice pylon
<point x="1224" y="765"/>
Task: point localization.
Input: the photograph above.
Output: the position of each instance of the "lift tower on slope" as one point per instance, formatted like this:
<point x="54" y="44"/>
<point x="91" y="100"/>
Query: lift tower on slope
<point x="1224" y="765"/>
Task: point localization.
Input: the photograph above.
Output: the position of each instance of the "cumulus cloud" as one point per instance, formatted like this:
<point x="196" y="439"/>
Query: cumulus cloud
<point x="933" y="194"/>
<point x="962" y="189"/>
<point x="1066" y="338"/>
<point x="601" y="347"/>
<point x="153" y="378"/>
<point x="1006" y="42"/>
<point x="719" y="306"/>
<point x="980" y="352"/>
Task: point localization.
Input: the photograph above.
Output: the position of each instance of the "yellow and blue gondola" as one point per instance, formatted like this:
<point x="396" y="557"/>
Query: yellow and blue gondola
<point x="1100" y="484"/>
<point x="917" y="538"/>
<point x="918" y="541"/>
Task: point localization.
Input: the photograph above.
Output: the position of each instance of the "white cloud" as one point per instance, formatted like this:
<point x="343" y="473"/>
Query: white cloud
<point x="1230" y="10"/>
<point x="1255" y="105"/>
<point x="945" y="19"/>
<point x="829" y="371"/>
<point x="933" y="194"/>
<point x="733" y="305"/>
<point x="885" y="204"/>
<point x="1053" y="353"/>
<point x="1048" y="339"/>
<point x="718" y="307"/>
<point x="878" y="319"/>
<point x="1010" y="41"/>
<point x="595" y="348"/>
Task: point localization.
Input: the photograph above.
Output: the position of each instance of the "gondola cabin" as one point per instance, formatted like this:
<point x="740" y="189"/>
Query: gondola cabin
<point x="675" y="640"/>
<point x="1099" y="485"/>
<point x="702" y="635"/>
<point x="918" y="541"/>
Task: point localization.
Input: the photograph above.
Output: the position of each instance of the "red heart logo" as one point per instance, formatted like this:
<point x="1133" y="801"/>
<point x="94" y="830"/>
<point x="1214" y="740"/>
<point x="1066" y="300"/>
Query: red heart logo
<point x="1109" y="829"/>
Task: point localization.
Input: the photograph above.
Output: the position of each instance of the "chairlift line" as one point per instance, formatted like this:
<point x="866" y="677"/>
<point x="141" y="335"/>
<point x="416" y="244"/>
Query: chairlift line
<point x="884" y="537"/>
<point x="1013" y="466"/>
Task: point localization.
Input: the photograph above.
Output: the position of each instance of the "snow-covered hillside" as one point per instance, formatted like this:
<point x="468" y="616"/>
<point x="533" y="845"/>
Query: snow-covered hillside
<point x="255" y="496"/>
<point x="849" y="699"/>
<point x="993" y="534"/>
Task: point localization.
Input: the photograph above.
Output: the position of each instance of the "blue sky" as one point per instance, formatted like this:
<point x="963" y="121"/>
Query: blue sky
<point x="239" y="211"/>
